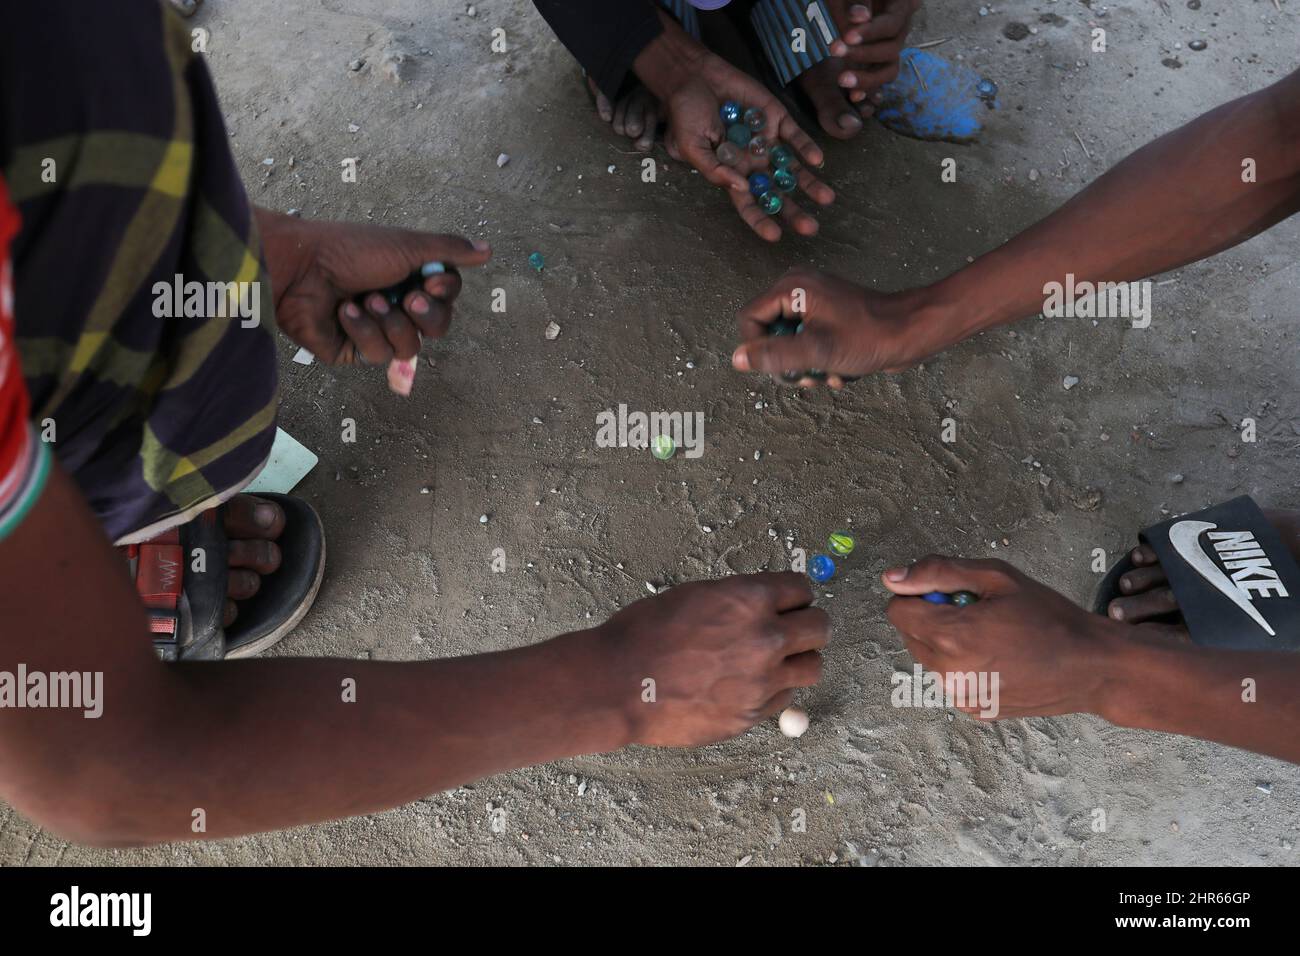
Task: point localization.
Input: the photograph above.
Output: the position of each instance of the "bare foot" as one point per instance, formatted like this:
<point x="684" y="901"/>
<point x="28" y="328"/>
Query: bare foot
<point x="635" y="116"/>
<point x="836" y="115"/>
<point x="1147" y="597"/>
<point x="252" y="526"/>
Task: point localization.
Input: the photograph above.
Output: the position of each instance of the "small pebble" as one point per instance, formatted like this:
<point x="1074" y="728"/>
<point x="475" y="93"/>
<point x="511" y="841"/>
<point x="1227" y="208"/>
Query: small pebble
<point x="482" y="519"/>
<point x="552" y="331"/>
<point x="1070" y="382"/>
<point x="502" y="160"/>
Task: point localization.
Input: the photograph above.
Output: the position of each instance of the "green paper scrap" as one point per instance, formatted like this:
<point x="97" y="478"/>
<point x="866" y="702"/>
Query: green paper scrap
<point x="288" y="464"/>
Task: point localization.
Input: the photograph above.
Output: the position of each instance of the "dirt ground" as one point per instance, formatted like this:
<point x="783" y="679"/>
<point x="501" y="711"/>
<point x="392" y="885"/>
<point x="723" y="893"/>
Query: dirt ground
<point x="644" y="281"/>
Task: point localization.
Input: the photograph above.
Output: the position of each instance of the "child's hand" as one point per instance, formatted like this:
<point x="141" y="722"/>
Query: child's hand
<point x="847" y="331"/>
<point x="870" y="43"/>
<point x="691" y="85"/>
<point x="317" y="267"/>
<point x="695" y="131"/>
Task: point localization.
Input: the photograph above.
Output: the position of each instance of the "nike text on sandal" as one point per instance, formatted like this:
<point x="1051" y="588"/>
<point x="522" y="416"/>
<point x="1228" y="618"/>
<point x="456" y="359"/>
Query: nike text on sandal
<point x="1236" y="584"/>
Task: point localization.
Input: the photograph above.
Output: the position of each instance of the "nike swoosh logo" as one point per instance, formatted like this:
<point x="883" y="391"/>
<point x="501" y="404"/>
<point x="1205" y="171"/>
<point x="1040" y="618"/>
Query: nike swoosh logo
<point x="1185" y="538"/>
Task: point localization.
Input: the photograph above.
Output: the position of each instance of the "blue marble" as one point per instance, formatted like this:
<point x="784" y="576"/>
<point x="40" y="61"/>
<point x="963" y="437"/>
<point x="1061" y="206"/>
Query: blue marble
<point x="537" y="261"/>
<point x="781" y="156"/>
<point x="986" y="89"/>
<point x="770" y="203"/>
<point x="785" y="180"/>
<point x="759" y="183"/>
<point x="739" y="134"/>
<point x="963" y="598"/>
<point x="821" y="569"/>
<point x="755" y="118"/>
<point x="730" y="112"/>
<point x="937" y="597"/>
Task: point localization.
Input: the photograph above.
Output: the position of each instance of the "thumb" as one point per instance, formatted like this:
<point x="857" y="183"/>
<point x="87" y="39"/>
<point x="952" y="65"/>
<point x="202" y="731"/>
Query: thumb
<point x="701" y="155"/>
<point x="422" y="247"/>
<point x="937" y="573"/>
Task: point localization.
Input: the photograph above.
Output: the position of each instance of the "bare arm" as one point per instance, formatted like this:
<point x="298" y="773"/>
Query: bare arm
<point x="1196" y="191"/>
<point x="257" y="744"/>
<point x="1176" y="200"/>
<point x="1245" y="699"/>
<point x="263" y="744"/>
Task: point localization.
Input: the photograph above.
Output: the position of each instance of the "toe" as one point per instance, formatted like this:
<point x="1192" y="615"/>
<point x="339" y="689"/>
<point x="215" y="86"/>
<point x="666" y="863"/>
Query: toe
<point x="248" y="516"/>
<point x="254" y="554"/>
<point x="242" y="584"/>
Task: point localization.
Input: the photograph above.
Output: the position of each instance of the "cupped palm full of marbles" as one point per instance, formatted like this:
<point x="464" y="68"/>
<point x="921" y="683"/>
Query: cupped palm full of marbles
<point x="745" y="135"/>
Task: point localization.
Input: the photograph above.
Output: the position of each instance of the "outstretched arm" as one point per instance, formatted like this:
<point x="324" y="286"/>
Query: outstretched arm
<point x="1196" y="191"/>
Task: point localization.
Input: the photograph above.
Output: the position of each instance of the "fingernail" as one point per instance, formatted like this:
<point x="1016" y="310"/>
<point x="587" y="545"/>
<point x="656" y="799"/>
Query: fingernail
<point x="740" y="359"/>
<point x="378" y="304"/>
<point x="481" y="245"/>
<point x="877" y="97"/>
<point x="1125" y="584"/>
<point x="839" y="48"/>
<point x="351" y="311"/>
<point x="848" y="80"/>
<point x="896" y="574"/>
<point x="420" y="305"/>
<point x="264" y="515"/>
<point x="849" y="121"/>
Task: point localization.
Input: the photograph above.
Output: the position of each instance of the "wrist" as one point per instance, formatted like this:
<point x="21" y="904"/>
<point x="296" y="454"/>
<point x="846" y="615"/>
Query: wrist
<point x="1118" y="658"/>
<point x="669" y="60"/>
<point x="975" y="298"/>
<point x="601" y="713"/>
<point x="286" y="248"/>
<point x="928" y="322"/>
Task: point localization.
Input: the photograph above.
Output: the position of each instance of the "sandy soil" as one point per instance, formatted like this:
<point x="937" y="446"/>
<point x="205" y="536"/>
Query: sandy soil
<point x="644" y="279"/>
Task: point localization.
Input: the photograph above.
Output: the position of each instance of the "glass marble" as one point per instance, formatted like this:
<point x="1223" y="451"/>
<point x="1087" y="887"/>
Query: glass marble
<point x="662" y="447"/>
<point x="937" y="597"/>
<point x="781" y="156"/>
<point x="770" y="203"/>
<point x="730" y="112"/>
<point x="963" y="598"/>
<point x="739" y="134"/>
<point x="821" y="569"/>
<point x="986" y="89"/>
<point x="785" y="180"/>
<point x="759" y="183"/>
<point x="758" y="147"/>
<point x="755" y="118"/>
<point x="840" y="543"/>
<point x="784" y="325"/>
<point x="537" y="261"/>
<point x="728" y="154"/>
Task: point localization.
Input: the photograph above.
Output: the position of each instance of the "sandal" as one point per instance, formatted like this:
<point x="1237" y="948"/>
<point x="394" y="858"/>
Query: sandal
<point x="181" y="576"/>
<point x="1236" y="584"/>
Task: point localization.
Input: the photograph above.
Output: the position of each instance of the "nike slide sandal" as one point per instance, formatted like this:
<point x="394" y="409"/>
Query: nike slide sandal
<point x="1236" y="584"/>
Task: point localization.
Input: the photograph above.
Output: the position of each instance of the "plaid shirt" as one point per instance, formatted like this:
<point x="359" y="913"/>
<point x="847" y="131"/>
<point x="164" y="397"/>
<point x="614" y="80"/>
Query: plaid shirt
<point x="114" y="149"/>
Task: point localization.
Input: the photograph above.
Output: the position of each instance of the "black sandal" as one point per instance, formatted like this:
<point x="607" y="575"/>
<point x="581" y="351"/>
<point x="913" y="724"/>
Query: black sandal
<point x="1236" y="583"/>
<point x="181" y="578"/>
